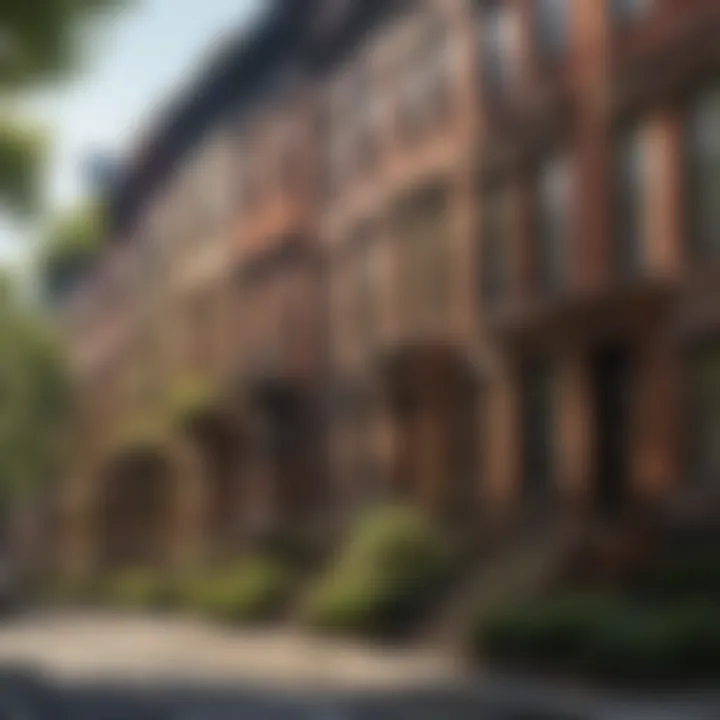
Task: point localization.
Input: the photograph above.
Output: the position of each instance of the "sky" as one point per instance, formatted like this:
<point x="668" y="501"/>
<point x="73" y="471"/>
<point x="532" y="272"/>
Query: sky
<point x="136" y="63"/>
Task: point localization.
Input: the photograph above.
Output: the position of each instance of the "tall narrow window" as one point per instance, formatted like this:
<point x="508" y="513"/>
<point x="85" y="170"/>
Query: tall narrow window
<point x="704" y="175"/>
<point x="496" y="244"/>
<point x="552" y="26"/>
<point x="553" y="225"/>
<point x="364" y="285"/>
<point x="630" y="206"/>
<point x="625" y="12"/>
<point x="496" y="47"/>
<point x="422" y="226"/>
<point x="432" y="253"/>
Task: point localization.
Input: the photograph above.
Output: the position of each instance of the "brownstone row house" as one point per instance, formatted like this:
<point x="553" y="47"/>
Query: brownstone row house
<point x="459" y="253"/>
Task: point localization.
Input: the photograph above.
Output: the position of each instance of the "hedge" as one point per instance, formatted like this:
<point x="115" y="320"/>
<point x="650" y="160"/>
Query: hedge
<point x="606" y="637"/>
<point x="393" y="567"/>
<point x="253" y="591"/>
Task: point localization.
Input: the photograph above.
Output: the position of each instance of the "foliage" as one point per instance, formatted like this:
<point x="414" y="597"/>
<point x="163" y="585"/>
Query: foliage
<point x="40" y="41"/>
<point x="42" y="38"/>
<point x="141" y="435"/>
<point x="141" y="589"/>
<point x="61" y="590"/>
<point x="251" y="592"/>
<point x="72" y="243"/>
<point x="22" y="151"/>
<point x="191" y="398"/>
<point x="393" y="567"/>
<point x="606" y="637"/>
<point x="35" y="403"/>
<point x="694" y="575"/>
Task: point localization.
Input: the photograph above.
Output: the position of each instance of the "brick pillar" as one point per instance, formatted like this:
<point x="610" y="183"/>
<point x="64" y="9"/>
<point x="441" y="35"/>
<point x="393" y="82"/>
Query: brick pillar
<point x="656" y="456"/>
<point x="663" y="193"/>
<point x="576" y="431"/>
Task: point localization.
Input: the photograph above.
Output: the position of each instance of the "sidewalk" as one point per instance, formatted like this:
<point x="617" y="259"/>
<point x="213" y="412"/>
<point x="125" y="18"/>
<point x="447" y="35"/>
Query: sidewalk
<point x="121" y="647"/>
<point x="82" y="649"/>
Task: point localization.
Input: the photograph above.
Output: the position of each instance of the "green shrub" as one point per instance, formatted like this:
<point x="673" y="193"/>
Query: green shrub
<point x="394" y="565"/>
<point x="661" y="643"/>
<point x="605" y="637"/>
<point x="681" y="576"/>
<point x="68" y="591"/>
<point x="552" y="631"/>
<point x="141" y="589"/>
<point x="253" y="591"/>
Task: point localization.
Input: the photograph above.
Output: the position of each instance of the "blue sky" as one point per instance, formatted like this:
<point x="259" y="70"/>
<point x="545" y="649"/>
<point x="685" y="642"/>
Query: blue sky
<point x="138" y="61"/>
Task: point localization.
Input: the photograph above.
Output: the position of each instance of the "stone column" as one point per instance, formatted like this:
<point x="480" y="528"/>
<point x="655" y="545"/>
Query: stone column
<point x="656" y="439"/>
<point x="504" y="444"/>
<point x="576" y="431"/>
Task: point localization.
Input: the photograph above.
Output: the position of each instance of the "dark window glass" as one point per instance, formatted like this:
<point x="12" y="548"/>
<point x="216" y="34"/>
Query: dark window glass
<point x="628" y="11"/>
<point x="538" y="421"/>
<point x="552" y="27"/>
<point x="495" y="48"/>
<point x="421" y="223"/>
<point x="704" y="175"/>
<point x="552" y="225"/>
<point x="495" y="245"/>
<point x="630" y="204"/>
<point x="364" y="277"/>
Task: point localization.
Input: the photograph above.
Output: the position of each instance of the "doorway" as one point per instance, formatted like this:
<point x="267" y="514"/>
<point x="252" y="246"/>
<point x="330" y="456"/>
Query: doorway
<point x="613" y="382"/>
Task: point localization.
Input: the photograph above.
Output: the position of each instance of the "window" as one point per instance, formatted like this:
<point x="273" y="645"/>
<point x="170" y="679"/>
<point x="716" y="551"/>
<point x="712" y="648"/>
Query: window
<point x="422" y="226"/>
<point x="363" y="274"/>
<point x="705" y="416"/>
<point x="630" y="208"/>
<point x="495" y="38"/>
<point x="431" y="253"/>
<point x="704" y="175"/>
<point x="495" y="244"/>
<point x="553" y="224"/>
<point x="625" y="12"/>
<point x="552" y="28"/>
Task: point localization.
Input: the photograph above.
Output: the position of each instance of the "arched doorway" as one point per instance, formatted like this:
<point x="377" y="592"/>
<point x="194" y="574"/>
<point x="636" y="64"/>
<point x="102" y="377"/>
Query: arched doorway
<point x="434" y="406"/>
<point x="135" y="518"/>
<point x="218" y="439"/>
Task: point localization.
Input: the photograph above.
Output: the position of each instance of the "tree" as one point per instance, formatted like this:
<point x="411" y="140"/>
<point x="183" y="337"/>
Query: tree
<point x="40" y="41"/>
<point x="35" y="401"/>
<point x="72" y="243"/>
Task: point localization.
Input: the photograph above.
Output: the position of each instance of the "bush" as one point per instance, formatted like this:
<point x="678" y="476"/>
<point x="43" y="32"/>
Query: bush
<point x="142" y="590"/>
<point x="394" y="565"/>
<point x="605" y="637"/>
<point x="681" y="576"/>
<point x="253" y="591"/>
<point x="553" y="631"/>
<point x="66" y="591"/>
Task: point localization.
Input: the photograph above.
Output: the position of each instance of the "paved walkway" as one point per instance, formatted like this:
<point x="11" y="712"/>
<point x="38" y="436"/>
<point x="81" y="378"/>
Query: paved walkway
<point x="107" y="646"/>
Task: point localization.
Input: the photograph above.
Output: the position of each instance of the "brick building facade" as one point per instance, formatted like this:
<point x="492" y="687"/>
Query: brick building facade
<point x="459" y="253"/>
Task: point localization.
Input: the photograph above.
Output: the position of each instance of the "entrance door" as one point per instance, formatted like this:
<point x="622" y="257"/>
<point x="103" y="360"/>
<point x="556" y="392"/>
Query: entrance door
<point x="613" y="383"/>
<point x="538" y="433"/>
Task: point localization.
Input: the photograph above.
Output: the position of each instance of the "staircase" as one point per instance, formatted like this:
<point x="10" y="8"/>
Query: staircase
<point x="507" y="569"/>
